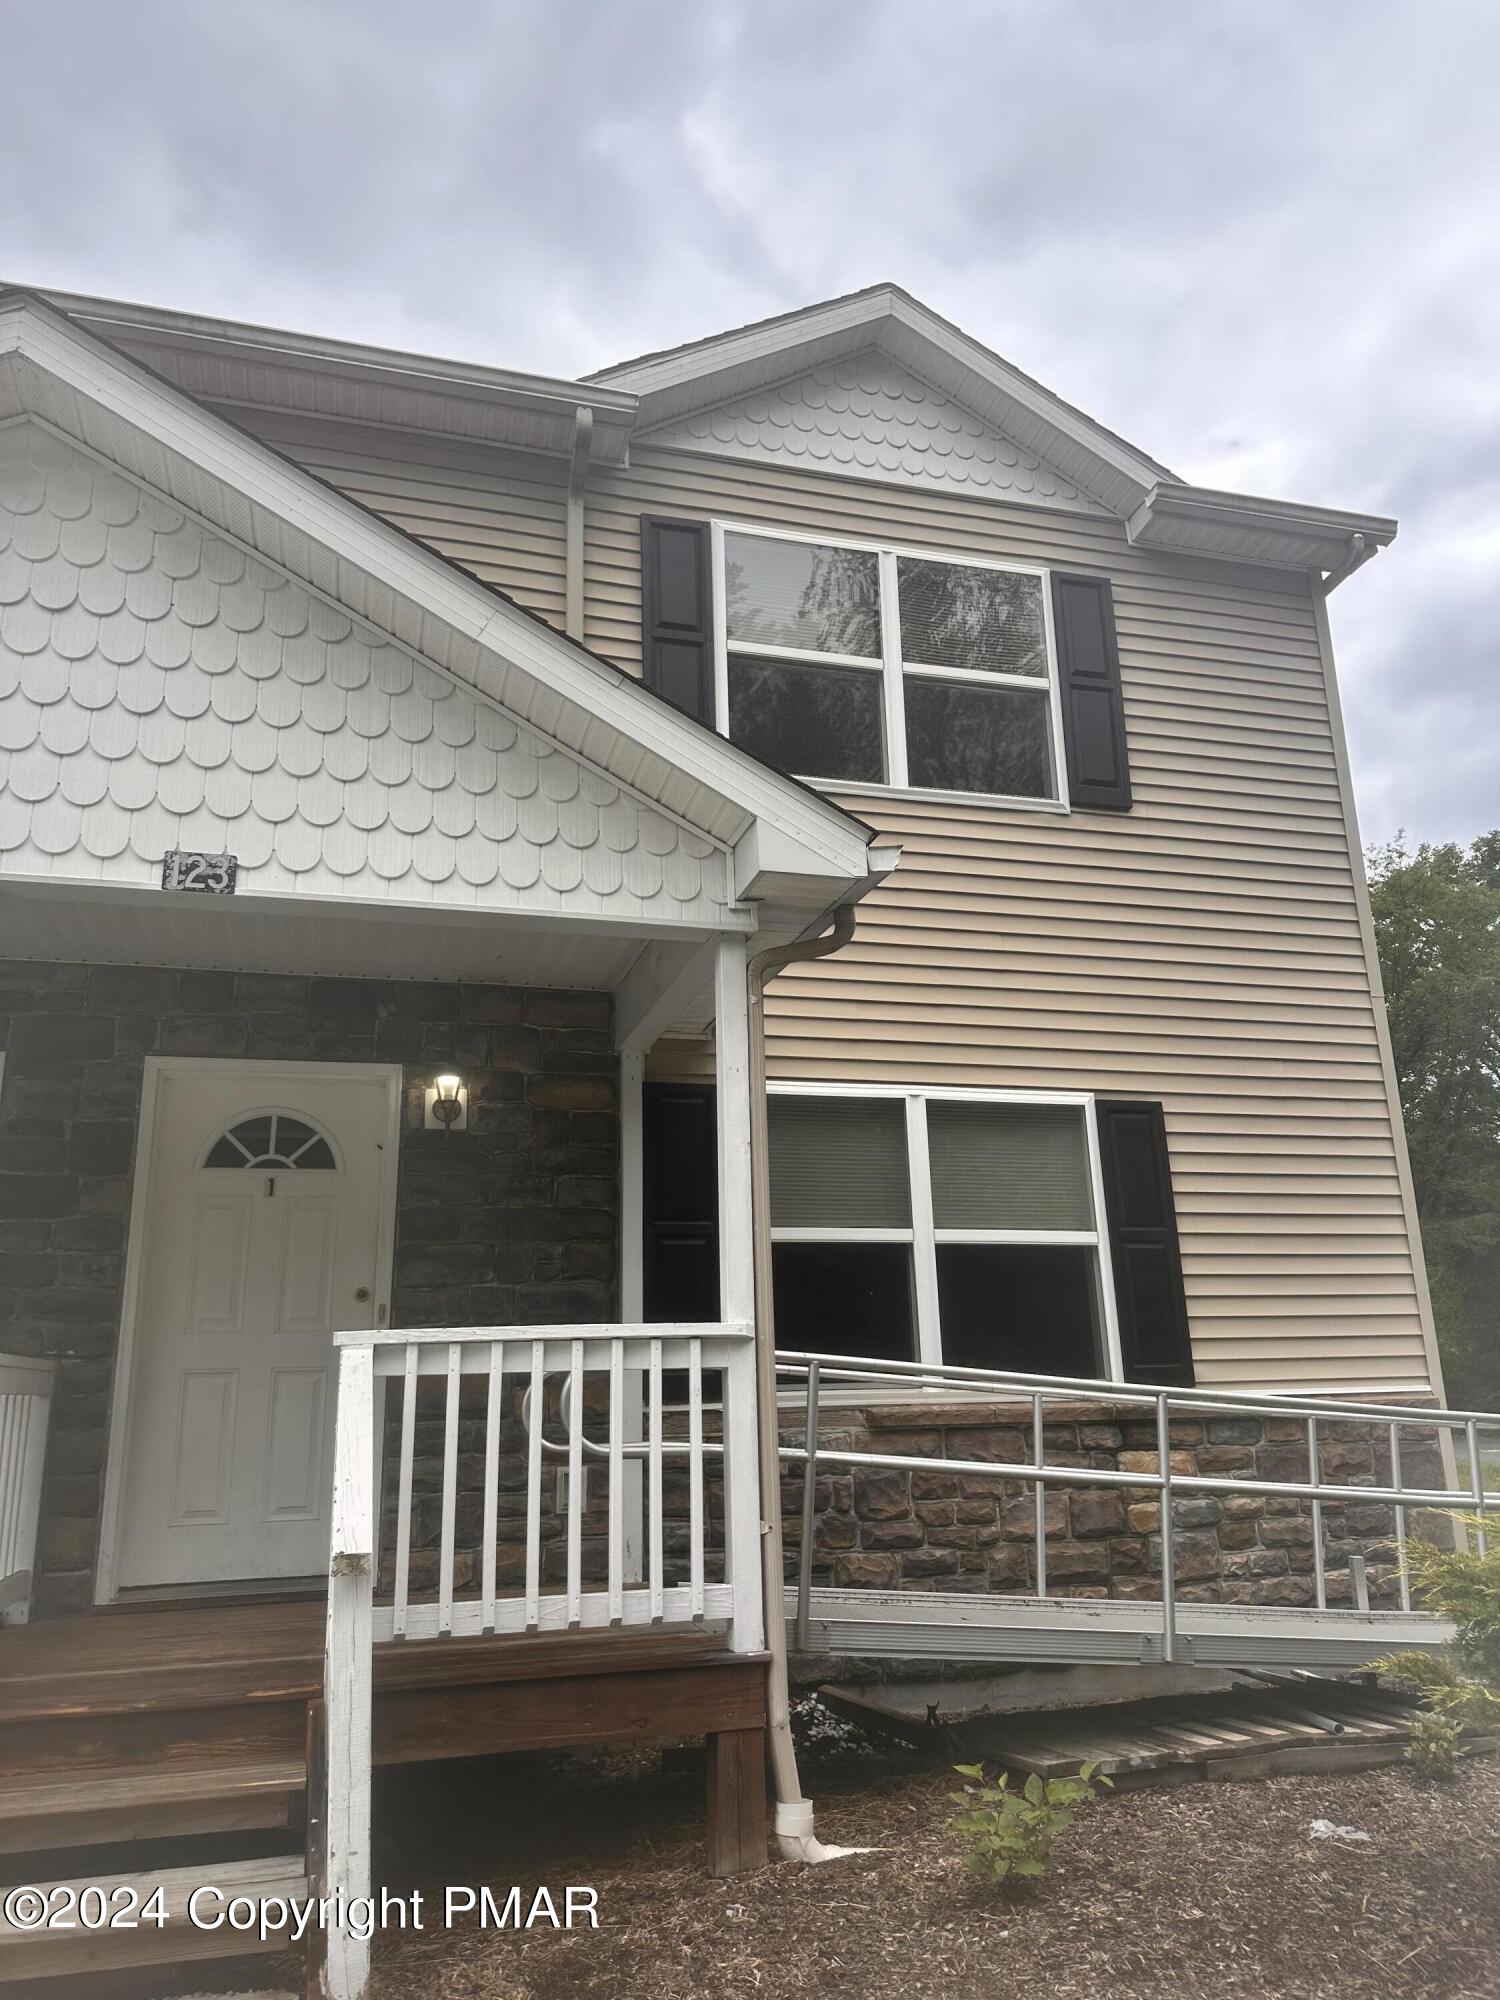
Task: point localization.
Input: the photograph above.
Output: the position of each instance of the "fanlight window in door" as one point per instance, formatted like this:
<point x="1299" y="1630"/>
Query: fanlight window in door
<point x="272" y="1139"/>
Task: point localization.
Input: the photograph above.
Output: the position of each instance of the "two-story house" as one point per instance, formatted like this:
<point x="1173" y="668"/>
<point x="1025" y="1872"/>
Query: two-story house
<point x="400" y="763"/>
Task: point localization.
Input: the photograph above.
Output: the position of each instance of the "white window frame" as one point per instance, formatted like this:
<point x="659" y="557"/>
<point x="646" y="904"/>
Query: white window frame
<point x="892" y="667"/>
<point x="924" y="1237"/>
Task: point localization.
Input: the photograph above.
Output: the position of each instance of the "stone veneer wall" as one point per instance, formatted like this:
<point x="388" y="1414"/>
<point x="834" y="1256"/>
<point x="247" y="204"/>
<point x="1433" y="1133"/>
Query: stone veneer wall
<point x="513" y="1221"/>
<point x="945" y="1531"/>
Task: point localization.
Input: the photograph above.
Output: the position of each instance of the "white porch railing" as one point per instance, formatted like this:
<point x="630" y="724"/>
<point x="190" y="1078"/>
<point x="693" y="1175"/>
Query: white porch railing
<point x="25" y="1399"/>
<point x="449" y="1519"/>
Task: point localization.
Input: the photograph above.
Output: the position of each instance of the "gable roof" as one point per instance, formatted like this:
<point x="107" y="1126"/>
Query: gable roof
<point x="77" y="383"/>
<point x="869" y="416"/>
<point x="593" y="420"/>
<point x="679" y="380"/>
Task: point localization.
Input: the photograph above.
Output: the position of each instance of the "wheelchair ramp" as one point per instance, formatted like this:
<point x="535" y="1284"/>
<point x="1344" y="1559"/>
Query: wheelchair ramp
<point x="910" y="1624"/>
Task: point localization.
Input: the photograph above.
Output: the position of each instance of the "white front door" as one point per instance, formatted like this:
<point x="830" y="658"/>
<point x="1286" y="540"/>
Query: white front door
<point x="261" y="1236"/>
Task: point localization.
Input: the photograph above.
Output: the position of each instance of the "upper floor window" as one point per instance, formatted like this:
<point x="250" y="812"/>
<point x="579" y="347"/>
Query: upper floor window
<point x="879" y="666"/>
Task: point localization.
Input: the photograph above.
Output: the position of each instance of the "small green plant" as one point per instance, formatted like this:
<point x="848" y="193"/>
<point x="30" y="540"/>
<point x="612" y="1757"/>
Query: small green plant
<point x="1435" y="1747"/>
<point x="1459" y="1687"/>
<point x="1009" y="1832"/>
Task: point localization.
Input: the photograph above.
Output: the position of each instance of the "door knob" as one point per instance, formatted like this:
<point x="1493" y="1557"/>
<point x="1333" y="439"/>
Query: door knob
<point x="362" y="1293"/>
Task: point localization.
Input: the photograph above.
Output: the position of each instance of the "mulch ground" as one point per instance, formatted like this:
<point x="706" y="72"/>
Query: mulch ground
<point x="1215" y="1888"/>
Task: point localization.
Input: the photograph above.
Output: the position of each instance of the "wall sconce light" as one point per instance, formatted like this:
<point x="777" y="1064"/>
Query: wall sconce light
<point x="447" y="1105"/>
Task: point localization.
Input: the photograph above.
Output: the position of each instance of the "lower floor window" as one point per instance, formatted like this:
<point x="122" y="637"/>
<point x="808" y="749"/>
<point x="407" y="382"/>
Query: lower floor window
<point x="962" y="1227"/>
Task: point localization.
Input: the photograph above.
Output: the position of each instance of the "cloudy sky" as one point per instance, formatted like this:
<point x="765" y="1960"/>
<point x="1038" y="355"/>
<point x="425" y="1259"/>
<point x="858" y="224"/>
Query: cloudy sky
<point x="1261" y="241"/>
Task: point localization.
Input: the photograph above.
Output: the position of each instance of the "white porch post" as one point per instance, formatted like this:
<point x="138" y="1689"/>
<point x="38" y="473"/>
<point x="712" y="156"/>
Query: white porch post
<point x="348" y="1669"/>
<point x="632" y="1293"/>
<point x="742" y="1510"/>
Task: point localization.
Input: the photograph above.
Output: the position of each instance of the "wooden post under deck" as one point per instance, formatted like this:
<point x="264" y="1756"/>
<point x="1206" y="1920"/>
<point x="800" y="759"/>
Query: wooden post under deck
<point x="736" y="1801"/>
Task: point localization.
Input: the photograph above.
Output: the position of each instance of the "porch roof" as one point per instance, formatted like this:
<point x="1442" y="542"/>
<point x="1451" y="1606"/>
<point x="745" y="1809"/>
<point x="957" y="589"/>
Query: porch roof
<point x="476" y="797"/>
<point x="786" y="838"/>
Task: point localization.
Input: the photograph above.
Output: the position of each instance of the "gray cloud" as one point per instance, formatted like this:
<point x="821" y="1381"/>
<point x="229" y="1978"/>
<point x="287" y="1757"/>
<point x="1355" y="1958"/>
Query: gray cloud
<point x="1263" y="242"/>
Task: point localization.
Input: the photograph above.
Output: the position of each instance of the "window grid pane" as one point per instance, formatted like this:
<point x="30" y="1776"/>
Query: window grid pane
<point x="838" y="1163"/>
<point x="816" y="722"/>
<point x="1008" y="1166"/>
<point x="805" y="596"/>
<point x="962" y="737"/>
<point x="987" y="620"/>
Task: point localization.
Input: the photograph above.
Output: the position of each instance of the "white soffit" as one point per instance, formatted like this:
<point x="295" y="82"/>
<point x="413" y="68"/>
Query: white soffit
<point x="362" y="564"/>
<point x="1193" y="520"/>
<point x="265" y="368"/>
<point x="68" y="922"/>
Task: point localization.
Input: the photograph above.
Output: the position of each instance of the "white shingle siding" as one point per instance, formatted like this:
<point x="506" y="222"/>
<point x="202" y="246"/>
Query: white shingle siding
<point x="870" y="417"/>
<point x="161" y="689"/>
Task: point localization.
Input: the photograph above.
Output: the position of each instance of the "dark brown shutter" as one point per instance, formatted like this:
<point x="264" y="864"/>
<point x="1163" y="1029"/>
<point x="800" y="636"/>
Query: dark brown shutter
<point x="680" y="1174"/>
<point x="1088" y="660"/>
<point x="677" y="614"/>
<point x="1143" y="1244"/>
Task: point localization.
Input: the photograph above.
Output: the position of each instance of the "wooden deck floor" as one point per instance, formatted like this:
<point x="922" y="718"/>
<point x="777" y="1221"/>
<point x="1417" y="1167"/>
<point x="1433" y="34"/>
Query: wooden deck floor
<point x="179" y="1656"/>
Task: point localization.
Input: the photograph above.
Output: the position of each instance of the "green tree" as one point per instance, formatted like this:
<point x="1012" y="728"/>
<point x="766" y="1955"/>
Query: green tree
<point x="1437" y="928"/>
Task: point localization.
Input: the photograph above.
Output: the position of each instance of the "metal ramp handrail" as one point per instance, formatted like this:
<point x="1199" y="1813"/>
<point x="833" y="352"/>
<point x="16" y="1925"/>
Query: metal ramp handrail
<point x="1034" y="1392"/>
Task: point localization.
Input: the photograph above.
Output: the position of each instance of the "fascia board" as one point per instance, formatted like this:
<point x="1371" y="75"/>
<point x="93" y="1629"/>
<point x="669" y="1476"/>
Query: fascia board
<point x="554" y="672"/>
<point x="1066" y="422"/>
<point x="720" y="353"/>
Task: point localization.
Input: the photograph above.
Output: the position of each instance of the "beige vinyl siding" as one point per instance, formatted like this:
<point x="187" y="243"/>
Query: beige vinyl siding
<point x="1204" y="949"/>
<point x="501" y="514"/>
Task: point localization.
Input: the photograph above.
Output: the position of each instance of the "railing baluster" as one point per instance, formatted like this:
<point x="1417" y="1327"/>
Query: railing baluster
<point x="492" y="1409"/>
<point x="695" y="1479"/>
<point x="1396" y="1482"/>
<point x="534" y="1488"/>
<point x="450" y="1486"/>
<point x="26" y="1390"/>
<point x="616" y="1481"/>
<point x="403" y="1491"/>
<point x="575" y="1486"/>
<point x="1315" y="1478"/>
<point x="1168" y="1566"/>
<point x="1038" y="1458"/>
<point x="15" y="1446"/>
<point x="655" y="1436"/>
<point x="1476" y="1483"/>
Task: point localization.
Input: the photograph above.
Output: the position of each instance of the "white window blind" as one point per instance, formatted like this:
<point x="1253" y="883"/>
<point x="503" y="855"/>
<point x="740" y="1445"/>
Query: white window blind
<point x="838" y="1163"/>
<point x="1008" y="1166"/>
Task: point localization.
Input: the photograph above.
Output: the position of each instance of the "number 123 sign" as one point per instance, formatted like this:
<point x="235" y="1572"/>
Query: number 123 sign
<point x="207" y="874"/>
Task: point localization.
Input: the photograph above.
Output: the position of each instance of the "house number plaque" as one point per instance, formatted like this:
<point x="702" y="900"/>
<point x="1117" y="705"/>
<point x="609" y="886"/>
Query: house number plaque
<point x="206" y="874"/>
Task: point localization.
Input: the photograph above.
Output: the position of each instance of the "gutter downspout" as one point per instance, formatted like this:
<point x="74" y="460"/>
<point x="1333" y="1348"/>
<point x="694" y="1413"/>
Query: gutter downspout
<point x="578" y="472"/>
<point x="794" y="1813"/>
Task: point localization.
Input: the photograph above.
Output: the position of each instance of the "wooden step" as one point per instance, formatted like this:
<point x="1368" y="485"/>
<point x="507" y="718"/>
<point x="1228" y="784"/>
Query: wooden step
<point x="40" y="1954"/>
<point x="91" y="1808"/>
